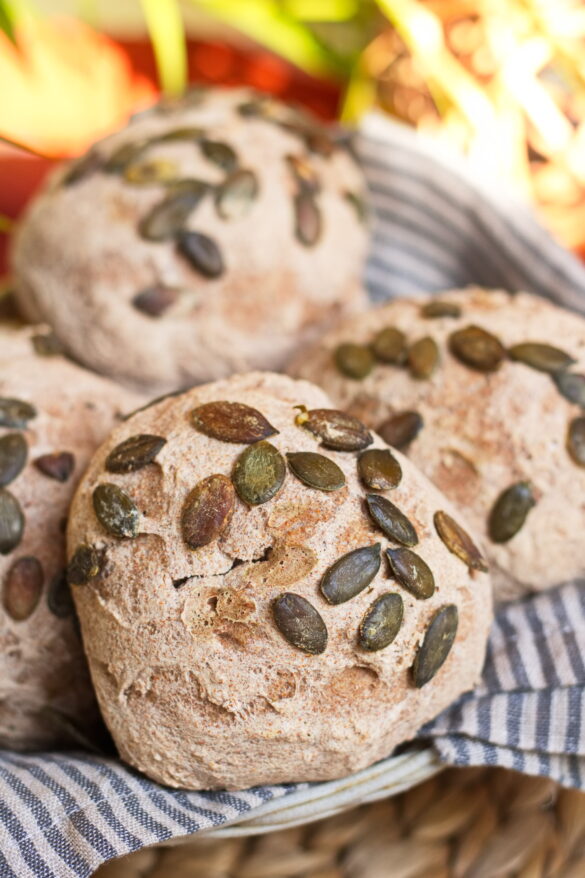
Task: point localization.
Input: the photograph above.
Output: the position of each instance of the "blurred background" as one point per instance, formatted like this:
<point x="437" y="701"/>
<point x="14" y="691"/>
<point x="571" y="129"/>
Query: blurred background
<point x="500" y="80"/>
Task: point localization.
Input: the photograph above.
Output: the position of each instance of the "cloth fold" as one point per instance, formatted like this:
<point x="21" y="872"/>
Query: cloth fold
<point x="436" y="224"/>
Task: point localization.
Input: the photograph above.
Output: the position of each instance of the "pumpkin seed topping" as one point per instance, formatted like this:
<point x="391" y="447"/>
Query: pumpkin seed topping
<point x="300" y="623"/>
<point x="236" y="195"/>
<point x="178" y="134"/>
<point x="259" y="473"/>
<point x="401" y="429"/>
<point x="115" y="511"/>
<point x="134" y="453"/>
<point x="202" y="252"/>
<point x="231" y="422"/>
<point x="154" y="301"/>
<point x="11" y="522"/>
<point x="22" y="588"/>
<point x="477" y="348"/>
<point x="86" y="564"/>
<point x="576" y="440"/>
<point x="316" y="470"/>
<point x="391" y="520"/>
<point x="440" y="308"/>
<point x="354" y="360"/>
<point x="153" y="171"/>
<point x="335" y="429"/>
<point x="47" y="344"/>
<point x="571" y="385"/>
<point x="541" y="356"/>
<point x="412" y="572"/>
<point x="207" y="511"/>
<point x="221" y="154"/>
<point x="509" y="512"/>
<point x="379" y="469"/>
<point x="307" y="219"/>
<point x="125" y="155"/>
<point x="358" y="204"/>
<point x="59" y="465"/>
<point x="389" y="346"/>
<point x="81" y="168"/>
<point x="167" y="218"/>
<point x="13" y="454"/>
<point x="59" y="598"/>
<point x="350" y="574"/>
<point x="381" y="623"/>
<point x="15" y="413"/>
<point x="304" y="173"/>
<point x="436" y="646"/>
<point x="459" y="542"/>
<point x="423" y="357"/>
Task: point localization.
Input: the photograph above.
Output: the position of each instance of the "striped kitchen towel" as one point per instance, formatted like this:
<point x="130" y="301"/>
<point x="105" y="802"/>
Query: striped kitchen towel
<point x="437" y="224"/>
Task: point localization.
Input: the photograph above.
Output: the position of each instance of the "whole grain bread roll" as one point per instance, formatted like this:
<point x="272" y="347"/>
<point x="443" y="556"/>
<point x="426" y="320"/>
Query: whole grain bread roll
<point x="53" y="415"/>
<point x="211" y="235"/>
<point x="483" y="390"/>
<point x="262" y="590"/>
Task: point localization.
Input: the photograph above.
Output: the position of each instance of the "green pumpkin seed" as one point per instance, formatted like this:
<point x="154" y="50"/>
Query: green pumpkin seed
<point x="22" y="588"/>
<point x="391" y="520"/>
<point x="436" y="646"/>
<point x="571" y="385"/>
<point x="207" y="511"/>
<point x="231" y="422"/>
<point x="350" y="574"/>
<point x="59" y="465"/>
<point x="440" y="308"/>
<point x="541" y="356"/>
<point x="115" y="511"/>
<point x="168" y="217"/>
<point x="354" y="360"/>
<point x="477" y="348"/>
<point x="178" y="134"/>
<point x="299" y="623"/>
<point x="125" y="155"/>
<point x="509" y="512"/>
<point x="459" y="542"/>
<point x="236" y="195"/>
<point x="576" y="441"/>
<point x="154" y="301"/>
<point x="134" y="453"/>
<point x="379" y="469"/>
<point x="202" y="252"/>
<point x="316" y="470"/>
<point x="389" y="346"/>
<point x="59" y="598"/>
<point x="81" y="168"/>
<point x="15" y="413"/>
<point x="335" y="429"/>
<point x="86" y="564"/>
<point x="259" y="473"/>
<point x="381" y="623"/>
<point x="11" y="522"/>
<point x="358" y="204"/>
<point x="47" y="345"/>
<point x="412" y="572"/>
<point x="221" y="154"/>
<point x="13" y="454"/>
<point x="401" y="429"/>
<point x="423" y="357"/>
<point x="153" y="171"/>
<point x="307" y="219"/>
<point x="304" y="173"/>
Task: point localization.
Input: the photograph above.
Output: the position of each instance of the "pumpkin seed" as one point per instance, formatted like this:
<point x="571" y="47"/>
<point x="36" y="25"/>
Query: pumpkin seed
<point x="259" y="473"/>
<point x="22" y="588"/>
<point x="115" y="511"/>
<point x="509" y="512"/>
<point x="177" y="134"/>
<point x="381" y="623"/>
<point x="440" y="308"/>
<point x="134" y="453"/>
<point x="307" y="219"/>
<point x="379" y="469"/>
<point x="571" y="385"/>
<point x="47" y="345"/>
<point x="318" y="141"/>
<point x="389" y="346"/>
<point x="59" y="598"/>
<point x="168" y="217"/>
<point x="236" y="195"/>
<point x="335" y="429"/>
<point x="412" y="572"/>
<point x="202" y="252"/>
<point x="316" y="470"/>
<point x="231" y="422"/>
<point x="541" y="356"/>
<point x="153" y="171"/>
<point x="423" y="357"/>
<point x="576" y="440"/>
<point x="13" y="453"/>
<point x="154" y="301"/>
<point x="11" y="522"/>
<point x="436" y="646"/>
<point x="125" y="155"/>
<point x="15" y="413"/>
<point x="299" y="622"/>
<point x="304" y="173"/>
<point x="221" y="154"/>
<point x="87" y="563"/>
<point x="59" y="465"/>
<point x="354" y="360"/>
<point x="81" y="168"/>
<point x="401" y="429"/>
<point x="459" y="542"/>
<point x="350" y="574"/>
<point x="477" y="348"/>
<point x="207" y="511"/>
<point x="358" y="204"/>
<point x="391" y="520"/>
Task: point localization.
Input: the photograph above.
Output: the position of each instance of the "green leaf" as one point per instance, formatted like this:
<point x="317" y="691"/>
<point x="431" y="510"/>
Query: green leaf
<point x="165" y="26"/>
<point x="7" y="18"/>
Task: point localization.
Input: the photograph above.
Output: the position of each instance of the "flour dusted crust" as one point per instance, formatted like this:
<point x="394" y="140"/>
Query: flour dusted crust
<point x="198" y="686"/>
<point x="482" y="432"/>
<point x="46" y="699"/>
<point x="79" y="260"/>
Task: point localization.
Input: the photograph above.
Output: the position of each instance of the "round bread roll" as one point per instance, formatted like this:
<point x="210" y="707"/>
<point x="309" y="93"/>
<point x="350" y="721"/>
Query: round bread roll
<point x="212" y="235"/>
<point x="53" y="415"/>
<point x="243" y="621"/>
<point x="483" y="390"/>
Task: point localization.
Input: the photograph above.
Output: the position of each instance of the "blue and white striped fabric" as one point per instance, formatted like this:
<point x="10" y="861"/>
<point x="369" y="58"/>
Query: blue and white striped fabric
<point x="436" y="225"/>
